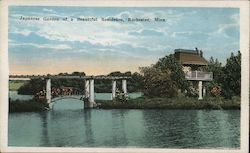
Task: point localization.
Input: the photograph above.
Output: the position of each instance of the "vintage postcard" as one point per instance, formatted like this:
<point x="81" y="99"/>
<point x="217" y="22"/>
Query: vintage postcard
<point x="124" y="76"/>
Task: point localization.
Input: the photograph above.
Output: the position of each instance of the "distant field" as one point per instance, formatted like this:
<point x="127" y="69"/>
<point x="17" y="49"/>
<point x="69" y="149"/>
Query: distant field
<point x="15" y="85"/>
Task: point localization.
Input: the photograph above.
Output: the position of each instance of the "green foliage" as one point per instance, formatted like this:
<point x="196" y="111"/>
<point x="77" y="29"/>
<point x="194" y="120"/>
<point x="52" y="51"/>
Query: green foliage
<point x="27" y="106"/>
<point x="232" y="76"/>
<point x="216" y="67"/>
<point x="78" y="74"/>
<point x="15" y="85"/>
<point x="227" y="78"/>
<point x="36" y="85"/>
<point x="76" y="83"/>
<point x="173" y="103"/>
<point x="134" y="84"/>
<point x="158" y="82"/>
<point x="121" y="97"/>
<point x="191" y="90"/>
<point x="170" y="63"/>
<point x="165" y="78"/>
<point x="32" y="87"/>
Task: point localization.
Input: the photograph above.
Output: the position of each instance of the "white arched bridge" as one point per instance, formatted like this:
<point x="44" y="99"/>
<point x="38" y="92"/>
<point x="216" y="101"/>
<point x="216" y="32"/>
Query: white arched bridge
<point x="88" y="95"/>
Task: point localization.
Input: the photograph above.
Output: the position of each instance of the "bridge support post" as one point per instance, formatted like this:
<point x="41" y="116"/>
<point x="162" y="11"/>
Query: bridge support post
<point x="204" y="91"/>
<point x="92" y="91"/>
<point x="124" y="86"/>
<point x="48" y="92"/>
<point x="86" y="88"/>
<point x="91" y="99"/>
<point x="113" y="89"/>
<point x="200" y="90"/>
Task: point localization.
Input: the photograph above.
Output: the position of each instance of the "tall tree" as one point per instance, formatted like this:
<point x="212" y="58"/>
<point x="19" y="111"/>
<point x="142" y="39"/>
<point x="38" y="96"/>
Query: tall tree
<point x="158" y="82"/>
<point x="216" y="67"/>
<point x="232" y="78"/>
<point x="174" y="66"/>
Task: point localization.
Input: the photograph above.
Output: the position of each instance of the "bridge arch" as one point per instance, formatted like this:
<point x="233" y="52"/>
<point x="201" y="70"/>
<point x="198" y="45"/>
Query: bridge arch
<point x="77" y="97"/>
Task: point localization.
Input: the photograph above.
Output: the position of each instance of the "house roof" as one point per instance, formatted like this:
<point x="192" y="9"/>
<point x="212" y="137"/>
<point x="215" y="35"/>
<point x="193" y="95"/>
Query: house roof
<point x="190" y="57"/>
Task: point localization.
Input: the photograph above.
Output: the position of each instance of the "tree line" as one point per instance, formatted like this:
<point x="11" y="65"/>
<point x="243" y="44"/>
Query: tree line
<point x="134" y="84"/>
<point x="165" y="78"/>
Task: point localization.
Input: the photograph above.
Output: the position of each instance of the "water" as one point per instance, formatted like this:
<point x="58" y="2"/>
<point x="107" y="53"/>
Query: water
<point x="14" y="96"/>
<point x="69" y="125"/>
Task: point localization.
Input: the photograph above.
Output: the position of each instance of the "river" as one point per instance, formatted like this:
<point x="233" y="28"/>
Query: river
<point x="69" y="125"/>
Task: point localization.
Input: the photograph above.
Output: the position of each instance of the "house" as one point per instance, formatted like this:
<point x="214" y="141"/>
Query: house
<point x="192" y="62"/>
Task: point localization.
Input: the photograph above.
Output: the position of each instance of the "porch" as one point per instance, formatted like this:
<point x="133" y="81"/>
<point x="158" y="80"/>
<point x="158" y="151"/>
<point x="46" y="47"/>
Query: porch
<point x="199" y="75"/>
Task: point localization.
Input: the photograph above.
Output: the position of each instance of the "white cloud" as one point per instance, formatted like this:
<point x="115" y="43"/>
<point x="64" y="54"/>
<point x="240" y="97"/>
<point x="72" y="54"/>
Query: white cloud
<point x="50" y="46"/>
<point x="103" y="36"/>
<point x="223" y="27"/>
<point x="188" y="34"/>
<point x="24" y="32"/>
<point x="48" y="10"/>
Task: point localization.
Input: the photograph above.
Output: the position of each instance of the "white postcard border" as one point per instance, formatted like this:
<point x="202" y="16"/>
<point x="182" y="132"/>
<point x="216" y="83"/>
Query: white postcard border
<point x="4" y="68"/>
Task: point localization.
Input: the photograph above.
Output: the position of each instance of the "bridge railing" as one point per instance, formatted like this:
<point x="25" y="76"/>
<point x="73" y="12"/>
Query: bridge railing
<point x="199" y="75"/>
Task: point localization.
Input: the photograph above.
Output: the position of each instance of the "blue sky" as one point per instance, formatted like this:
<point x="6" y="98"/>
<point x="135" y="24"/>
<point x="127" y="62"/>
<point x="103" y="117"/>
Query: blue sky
<point x="41" y="47"/>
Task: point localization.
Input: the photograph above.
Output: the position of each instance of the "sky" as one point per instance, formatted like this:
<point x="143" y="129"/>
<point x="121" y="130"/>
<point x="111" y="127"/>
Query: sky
<point x="98" y="47"/>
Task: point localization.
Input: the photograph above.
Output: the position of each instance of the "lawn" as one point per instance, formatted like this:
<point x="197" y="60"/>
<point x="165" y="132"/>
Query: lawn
<point x="13" y="86"/>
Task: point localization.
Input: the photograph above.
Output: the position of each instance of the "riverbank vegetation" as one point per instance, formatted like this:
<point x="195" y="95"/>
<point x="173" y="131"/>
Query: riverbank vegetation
<point x="227" y="78"/>
<point x="27" y="106"/>
<point x="166" y="78"/>
<point x="165" y="87"/>
<point x="173" y="103"/>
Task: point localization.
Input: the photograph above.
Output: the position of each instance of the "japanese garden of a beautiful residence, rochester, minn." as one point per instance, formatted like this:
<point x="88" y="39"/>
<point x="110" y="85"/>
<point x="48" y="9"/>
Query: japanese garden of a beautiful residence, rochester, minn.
<point x="144" y="77"/>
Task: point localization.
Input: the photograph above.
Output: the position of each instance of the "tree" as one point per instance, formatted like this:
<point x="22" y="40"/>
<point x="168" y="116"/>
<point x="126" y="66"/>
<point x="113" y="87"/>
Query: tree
<point x="115" y="73"/>
<point x="232" y="76"/>
<point x="32" y="87"/>
<point x="218" y="75"/>
<point x="136" y="82"/>
<point x="78" y="74"/>
<point x="171" y="64"/>
<point x="158" y="82"/>
<point x="216" y="67"/>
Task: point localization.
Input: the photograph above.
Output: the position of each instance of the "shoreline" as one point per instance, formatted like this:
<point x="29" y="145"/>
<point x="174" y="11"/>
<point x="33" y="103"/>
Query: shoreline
<point x="181" y="103"/>
<point x="208" y="103"/>
<point x="26" y="106"/>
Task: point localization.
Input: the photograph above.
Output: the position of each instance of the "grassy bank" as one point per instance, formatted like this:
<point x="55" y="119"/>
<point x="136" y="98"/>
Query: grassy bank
<point x="14" y="86"/>
<point x="26" y="106"/>
<point x="174" y="103"/>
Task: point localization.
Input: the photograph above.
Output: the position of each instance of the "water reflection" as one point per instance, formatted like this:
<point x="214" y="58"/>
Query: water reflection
<point x="169" y="128"/>
<point x="44" y="116"/>
<point x="88" y="128"/>
<point x="69" y="125"/>
<point x="66" y="119"/>
<point x="218" y="129"/>
<point x="118" y="128"/>
<point x="190" y="128"/>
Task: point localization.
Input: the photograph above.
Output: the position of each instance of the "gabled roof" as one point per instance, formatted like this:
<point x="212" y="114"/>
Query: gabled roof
<point x="190" y="57"/>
